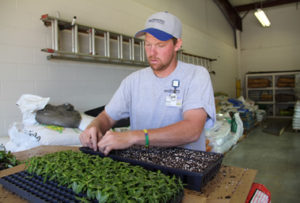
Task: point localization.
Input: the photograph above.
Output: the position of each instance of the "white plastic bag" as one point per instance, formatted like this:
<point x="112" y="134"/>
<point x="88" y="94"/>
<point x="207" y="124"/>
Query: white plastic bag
<point x="226" y="145"/>
<point x="85" y="121"/>
<point x="220" y="136"/>
<point x="240" y="126"/>
<point x="19" y="141"/>
<point x="29" y="104"/>
<point x="23" y="137"/>
<point x="219" y="133"/>
<point x="53" y="135"/>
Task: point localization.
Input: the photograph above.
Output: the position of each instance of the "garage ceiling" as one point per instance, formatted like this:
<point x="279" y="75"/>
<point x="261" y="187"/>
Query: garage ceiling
<point x="246" y="5"/>
<point x="232" y="9"/>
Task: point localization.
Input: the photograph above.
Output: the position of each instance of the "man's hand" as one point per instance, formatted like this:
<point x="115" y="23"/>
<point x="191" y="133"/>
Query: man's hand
<point x="115" y="140"/>
<point x="90" y="137"/>
<point x="94" y="132"/>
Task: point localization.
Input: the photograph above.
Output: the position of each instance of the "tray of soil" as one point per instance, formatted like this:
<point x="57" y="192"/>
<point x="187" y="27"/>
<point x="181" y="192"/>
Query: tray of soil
<point x="194" y="168"/>
<point x="69" y="176"/>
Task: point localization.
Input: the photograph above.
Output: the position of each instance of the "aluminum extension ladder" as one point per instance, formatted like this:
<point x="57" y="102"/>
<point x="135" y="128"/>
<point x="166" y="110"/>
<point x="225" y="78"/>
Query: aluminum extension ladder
<point x="128" y="50"/>
<point x="58" y="25"/>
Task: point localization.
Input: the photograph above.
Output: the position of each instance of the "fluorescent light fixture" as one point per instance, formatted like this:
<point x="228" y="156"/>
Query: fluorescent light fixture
<point x="262" y="17"/>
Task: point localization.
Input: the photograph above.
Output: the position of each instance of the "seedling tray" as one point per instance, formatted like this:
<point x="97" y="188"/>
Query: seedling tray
<point x="191" y="179"/>
<point x="34" y="189"/>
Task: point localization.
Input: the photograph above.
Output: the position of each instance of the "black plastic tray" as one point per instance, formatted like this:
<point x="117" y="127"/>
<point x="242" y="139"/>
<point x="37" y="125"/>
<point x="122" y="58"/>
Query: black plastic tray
<point x="34" y="189"/>
<point x="191" y="180"/>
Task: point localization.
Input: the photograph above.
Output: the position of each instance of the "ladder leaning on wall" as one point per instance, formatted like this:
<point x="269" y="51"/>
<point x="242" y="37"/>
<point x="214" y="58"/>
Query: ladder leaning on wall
<point x="68" y="43"/>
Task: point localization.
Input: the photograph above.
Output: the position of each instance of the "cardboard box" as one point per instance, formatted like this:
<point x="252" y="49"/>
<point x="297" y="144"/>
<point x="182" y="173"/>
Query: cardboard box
<point x="231" y="184"/>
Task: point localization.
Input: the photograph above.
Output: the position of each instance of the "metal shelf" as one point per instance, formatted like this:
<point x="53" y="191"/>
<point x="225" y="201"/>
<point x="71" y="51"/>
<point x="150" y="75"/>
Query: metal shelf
<point x="290" y="102"/>
<point x="284" y="88"/>
<point x="273" y="106"/>
<point x="260" y="88"/>
<point x="264" y="102"/>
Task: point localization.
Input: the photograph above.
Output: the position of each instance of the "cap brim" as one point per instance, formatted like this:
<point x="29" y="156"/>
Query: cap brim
<point x="161" y="35"/>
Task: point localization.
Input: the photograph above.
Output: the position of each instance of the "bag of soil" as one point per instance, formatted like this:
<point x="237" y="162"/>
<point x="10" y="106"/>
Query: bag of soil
<point x="62" y="115"/>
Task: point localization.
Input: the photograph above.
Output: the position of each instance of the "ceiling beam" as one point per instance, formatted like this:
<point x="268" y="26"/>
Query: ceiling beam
<point x="263" y="4"/>
<point x="230" y="13"/>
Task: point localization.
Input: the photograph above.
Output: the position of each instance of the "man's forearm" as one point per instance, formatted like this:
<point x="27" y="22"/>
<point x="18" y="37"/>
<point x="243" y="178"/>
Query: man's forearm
<point x="180" y="133"/>
<point x="183" y="132"/>
<point x="173" y="135"/>
<point x="102" y="122"/>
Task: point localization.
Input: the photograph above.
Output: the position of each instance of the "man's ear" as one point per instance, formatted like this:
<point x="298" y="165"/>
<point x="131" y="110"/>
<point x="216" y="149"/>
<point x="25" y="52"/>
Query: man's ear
<point x="178" y="44"/>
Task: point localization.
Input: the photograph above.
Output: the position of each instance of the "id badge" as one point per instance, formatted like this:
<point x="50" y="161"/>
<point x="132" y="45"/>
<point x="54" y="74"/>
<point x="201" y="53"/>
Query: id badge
<point x="173" y="100"/>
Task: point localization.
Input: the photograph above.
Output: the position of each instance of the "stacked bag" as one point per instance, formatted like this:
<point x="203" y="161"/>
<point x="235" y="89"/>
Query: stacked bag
<point x="297" y="86"/>
<point x="296" y="117"/>
<point x="45" y="124"/>
<point x="225" y="133"/>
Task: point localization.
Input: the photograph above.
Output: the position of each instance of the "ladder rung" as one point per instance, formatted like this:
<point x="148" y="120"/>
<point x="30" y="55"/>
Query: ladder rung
<point x="131" y="48"/>
<point x="54" y="27"/>
<point x="106" y="44"/>
<point x="92" y="41"/>
<point x="75" y="39"/>
<point x="142" y="53"/>
<point x="120" y="46"/>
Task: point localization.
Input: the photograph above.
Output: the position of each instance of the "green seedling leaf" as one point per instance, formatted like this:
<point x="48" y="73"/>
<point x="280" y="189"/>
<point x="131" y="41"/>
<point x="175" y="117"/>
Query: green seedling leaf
<point x="104" y="179"/>
<point x="100" y="197"/>
<point x="7" y="159"/>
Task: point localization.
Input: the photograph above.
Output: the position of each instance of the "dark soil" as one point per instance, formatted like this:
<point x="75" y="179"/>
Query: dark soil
<point x="175" y="157"/>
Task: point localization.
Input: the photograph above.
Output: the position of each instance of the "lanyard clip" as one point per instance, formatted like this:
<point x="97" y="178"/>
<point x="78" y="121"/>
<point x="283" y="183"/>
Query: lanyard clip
<point x="175" y="85"/>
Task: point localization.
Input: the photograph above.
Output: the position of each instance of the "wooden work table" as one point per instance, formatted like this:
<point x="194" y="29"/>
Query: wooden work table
<point x="231" y="184"/>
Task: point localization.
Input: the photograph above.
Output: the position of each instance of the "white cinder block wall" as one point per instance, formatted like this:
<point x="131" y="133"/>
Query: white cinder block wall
<point x="25" y="69"/>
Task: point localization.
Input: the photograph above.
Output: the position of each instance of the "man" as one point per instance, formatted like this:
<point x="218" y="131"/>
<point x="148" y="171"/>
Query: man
<point x="168" y="103"/>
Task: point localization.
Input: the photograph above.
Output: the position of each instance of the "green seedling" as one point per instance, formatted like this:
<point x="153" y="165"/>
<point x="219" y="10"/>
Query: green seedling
<point x="7" y="159"/>
<point x="105" y="179"/>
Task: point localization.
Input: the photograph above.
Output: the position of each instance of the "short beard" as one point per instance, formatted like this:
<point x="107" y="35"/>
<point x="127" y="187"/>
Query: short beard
<point x="163" y="67"/>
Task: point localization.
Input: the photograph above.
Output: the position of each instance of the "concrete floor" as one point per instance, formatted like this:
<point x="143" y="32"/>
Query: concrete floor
<point x="277" y="159"/>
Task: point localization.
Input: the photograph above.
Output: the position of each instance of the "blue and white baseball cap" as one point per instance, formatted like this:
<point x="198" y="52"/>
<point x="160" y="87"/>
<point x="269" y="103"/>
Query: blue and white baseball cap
<point x="163" y="26"/>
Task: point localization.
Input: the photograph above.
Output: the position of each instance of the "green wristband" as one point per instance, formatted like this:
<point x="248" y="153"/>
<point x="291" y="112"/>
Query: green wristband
<point x="146" y="138"/>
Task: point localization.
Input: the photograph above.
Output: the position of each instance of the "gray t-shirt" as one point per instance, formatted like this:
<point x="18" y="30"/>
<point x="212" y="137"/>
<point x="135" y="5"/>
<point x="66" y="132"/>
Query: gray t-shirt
<point x="150" y="101"/>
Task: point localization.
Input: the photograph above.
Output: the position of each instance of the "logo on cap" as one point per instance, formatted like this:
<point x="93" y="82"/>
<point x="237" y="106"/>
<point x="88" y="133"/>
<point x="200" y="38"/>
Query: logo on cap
<point x="155" y="20"/>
